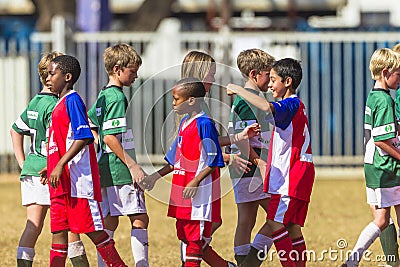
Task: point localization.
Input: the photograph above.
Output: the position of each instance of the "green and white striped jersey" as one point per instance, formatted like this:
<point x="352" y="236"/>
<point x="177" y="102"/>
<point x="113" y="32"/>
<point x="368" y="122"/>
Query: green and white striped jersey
<point x="34" y="122"/>
<point x="381" y="170"/>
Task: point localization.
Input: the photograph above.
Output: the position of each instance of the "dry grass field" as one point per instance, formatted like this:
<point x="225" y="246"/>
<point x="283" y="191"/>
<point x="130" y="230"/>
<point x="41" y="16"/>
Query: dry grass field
<point x="337" y="214"/>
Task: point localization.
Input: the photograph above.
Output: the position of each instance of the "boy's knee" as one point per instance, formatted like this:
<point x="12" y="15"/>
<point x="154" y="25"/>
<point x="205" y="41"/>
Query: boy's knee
<point x="139" y="221"/>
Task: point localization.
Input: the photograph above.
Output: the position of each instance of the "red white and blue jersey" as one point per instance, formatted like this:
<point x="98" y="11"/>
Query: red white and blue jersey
<point x="291" y="168"/>
<point x="80" y="177"/>
<point x="195" y="148"/>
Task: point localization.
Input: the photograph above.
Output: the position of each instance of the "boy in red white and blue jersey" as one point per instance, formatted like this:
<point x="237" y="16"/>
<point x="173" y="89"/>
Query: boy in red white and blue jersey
<point x="290" y="169"/>
<point x="74" y="176"/>
<point x="194" y="159"/>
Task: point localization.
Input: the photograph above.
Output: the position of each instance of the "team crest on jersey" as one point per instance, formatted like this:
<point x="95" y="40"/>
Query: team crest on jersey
<point x="98" y="112"/>
<point x="116" y="123"/>
<point x="32" y="115"/>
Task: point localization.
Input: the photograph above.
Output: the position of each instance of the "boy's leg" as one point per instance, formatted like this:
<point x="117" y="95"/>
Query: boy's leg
<point x="247" y="213"/>
<point x="194" y="253"/>
<point x="282" y="243"/>
<point x="59" y="249"/>
<point x="76" y="251"/>
<point x="299" y="245"/>
<point x="139" y="239"/>
<point x="106" y="248"/>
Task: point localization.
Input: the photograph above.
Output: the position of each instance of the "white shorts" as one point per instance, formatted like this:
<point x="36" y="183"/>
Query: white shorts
<point x="122" y="200"/>
<point x="383" y="197"/>
<point x="249" y="189"/>
<point x="33" y="192"/>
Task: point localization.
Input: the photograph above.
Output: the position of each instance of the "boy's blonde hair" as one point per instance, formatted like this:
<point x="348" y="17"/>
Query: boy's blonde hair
<point x="122" y="55"/>
<point x="396" y="48"/>
<point x="383" y="58"/>
<point x="196" y="64"/>
<point x="253" y="59"/>
<point x="44" y="64"/>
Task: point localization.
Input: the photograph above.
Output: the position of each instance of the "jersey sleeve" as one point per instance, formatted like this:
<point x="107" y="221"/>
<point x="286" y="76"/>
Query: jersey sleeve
<point x="285" y="110"/>
<point x="209" y="141"/>
<point x="93" y="122"/>
<point x="114" y="118"/>
<point x="384" y="126"/>
<point x="21" y="125"/>
<point x="170" y="157"/>
<point x="77" y="113"/>
<point x="243" y="115"/>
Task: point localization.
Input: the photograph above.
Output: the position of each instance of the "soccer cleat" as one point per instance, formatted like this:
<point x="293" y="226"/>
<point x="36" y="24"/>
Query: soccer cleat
<point x="231" y="264"/>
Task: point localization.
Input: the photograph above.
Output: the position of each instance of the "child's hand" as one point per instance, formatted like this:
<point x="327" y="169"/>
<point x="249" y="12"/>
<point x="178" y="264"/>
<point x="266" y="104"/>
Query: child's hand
<point x="137" y="173"/>
<point x="240" y="165"/>
<point x="149" y="181"/>
<point x="55" y="175"/>
<point x="190" y="189"/>
<point x="43" y="175"/>
<point x="250" y="131"/>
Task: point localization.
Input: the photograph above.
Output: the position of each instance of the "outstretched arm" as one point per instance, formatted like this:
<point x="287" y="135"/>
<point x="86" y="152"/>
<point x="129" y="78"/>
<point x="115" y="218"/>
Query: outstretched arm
<point x="249" y="132"/>
<point x="387" y="146"/>
<point x="256" y="100"/>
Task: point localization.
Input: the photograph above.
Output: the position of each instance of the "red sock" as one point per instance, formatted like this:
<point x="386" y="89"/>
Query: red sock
<point x="283" y="244"/>
<point x="106" y="248"/>
<point x="211" y="257"/>
<point x="58" y="255"/>
<point x="299" y="245"/>
<point x="194" y="253"/>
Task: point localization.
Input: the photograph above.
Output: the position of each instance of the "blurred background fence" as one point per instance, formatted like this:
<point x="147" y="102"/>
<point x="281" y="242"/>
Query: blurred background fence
<point x="335" y="84"/>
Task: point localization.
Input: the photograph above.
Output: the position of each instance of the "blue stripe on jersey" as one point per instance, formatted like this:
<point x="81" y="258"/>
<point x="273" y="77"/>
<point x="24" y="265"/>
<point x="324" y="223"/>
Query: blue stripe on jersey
<point x="209" y="136"/>
<point x="285" y="110"/>
<point x="170" y="157"/>
<point x="77" y="114"/>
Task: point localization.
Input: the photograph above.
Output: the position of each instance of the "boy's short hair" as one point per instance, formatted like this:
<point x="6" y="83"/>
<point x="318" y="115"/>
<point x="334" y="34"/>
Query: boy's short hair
<point x="396" y="48"/>
<point x="289" y="68"/>
<point x="44" y="64"/>
<point x="68" y="64"/>
<point x="192" y="87"/>
<point x="196" y="64"/>
<point x="383" y="58"/>
<point x="122" y="55"/>
<point x="253" y="59"/>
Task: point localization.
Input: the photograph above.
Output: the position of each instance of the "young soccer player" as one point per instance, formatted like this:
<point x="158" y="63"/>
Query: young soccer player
<point x="290" y="169"/>
<point x="255" y="66"/>
<point x="381" y="160"/>
<point x="33" y="122"/>
<point x="194" y="158"/>
<point x="117" y="162"/>
<point x="74" y="176"/>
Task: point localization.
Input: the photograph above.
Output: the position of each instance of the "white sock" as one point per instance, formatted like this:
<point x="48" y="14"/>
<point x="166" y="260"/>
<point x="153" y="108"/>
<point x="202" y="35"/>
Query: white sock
<point x="262" y="242"/>
<point x="183" y="251"/>
<point x="24" y="253"/>
<point x="100" y="262"/>
<point x="242" y="250"/>
<point x="76" y="249"/>
<point x="140" y="247"/>
<point x="366" y="238"/>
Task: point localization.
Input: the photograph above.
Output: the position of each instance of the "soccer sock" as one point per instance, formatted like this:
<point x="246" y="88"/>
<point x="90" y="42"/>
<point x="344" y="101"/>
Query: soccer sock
<point x="58" y="255"/>
<point x="140" y="247"/>
<point x="183" y="251"/>
<point x="241" y="252"/>
<point x="211" y="257"/>
<point x="299" y="245"/>
<point x="252" y="259"/>
<point x="106" y="248"/>
<point x="283" y="244"/>
<point x="77" y="254"/>
<point x="389" y="244"/>
<point x="25" y="253"/>
<point x="262" y="242"/>
<point x="194" y="253"/>
<point x="366" y="238"/>
<point x="100" y="262"/>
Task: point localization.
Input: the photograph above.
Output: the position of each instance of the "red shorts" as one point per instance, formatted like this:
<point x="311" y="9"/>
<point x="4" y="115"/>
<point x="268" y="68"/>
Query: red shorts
<point x="79" y="215"/>
<point x="285" y="209"/>
<point x="188" y="230"/>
